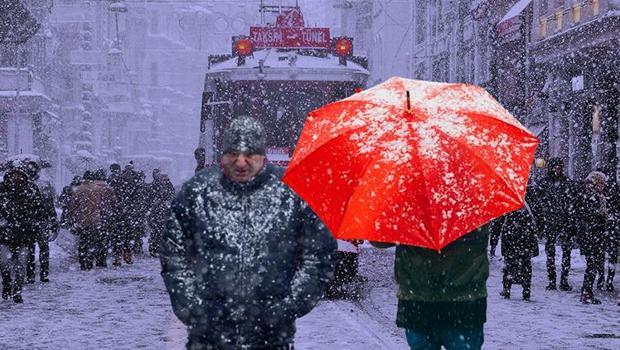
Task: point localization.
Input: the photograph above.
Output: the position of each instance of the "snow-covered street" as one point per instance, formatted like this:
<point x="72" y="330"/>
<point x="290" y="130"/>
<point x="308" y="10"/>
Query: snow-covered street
<point x="128" y="308"/>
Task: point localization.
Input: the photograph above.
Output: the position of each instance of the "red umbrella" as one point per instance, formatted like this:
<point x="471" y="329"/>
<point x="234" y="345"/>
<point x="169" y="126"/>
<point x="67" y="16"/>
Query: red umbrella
<point x="422" y="171"/>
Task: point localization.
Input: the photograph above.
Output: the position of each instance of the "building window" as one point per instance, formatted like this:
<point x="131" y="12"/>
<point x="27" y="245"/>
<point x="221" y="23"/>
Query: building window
<point x="595" y="7"/>
<point x="420" y="22"/>
<point x="543" y="7"/>
<point x="577" y="13"/>
<point x="154" y="80"/>
<point x="420" y="71"/>
<point x="154" y="22"/>
<point x="543" y="27"/>
<point x="441" y="69"/>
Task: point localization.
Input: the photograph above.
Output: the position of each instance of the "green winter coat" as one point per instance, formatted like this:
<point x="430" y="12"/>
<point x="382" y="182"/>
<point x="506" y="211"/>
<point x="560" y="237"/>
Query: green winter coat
<point x="446" y="288"/>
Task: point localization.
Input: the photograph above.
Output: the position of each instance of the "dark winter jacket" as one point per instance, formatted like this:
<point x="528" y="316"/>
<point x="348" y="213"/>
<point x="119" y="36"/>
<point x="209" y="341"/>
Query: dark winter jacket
<point x="22" y="214"/>
<point x="593" y="213"/>
<point x="243" y="261"/>
<point x="49" y="229"/>
<point x="446" y="288"/>
<point x="555" y="198"/>
<point x="518" y="235"/>
<point x="160" y="193"/>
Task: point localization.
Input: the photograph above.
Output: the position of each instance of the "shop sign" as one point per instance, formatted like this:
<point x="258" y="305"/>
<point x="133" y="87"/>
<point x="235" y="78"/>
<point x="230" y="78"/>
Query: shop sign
<point x="577" y="83"/>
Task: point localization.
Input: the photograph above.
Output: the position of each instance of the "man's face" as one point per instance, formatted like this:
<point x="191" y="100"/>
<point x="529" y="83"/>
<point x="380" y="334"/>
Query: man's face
<point x="558" y="170"/>
<point x="242" y="167"/>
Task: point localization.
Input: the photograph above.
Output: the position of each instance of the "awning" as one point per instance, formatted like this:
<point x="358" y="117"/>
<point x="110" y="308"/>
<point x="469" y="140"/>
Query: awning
<point x="515" y="11"/>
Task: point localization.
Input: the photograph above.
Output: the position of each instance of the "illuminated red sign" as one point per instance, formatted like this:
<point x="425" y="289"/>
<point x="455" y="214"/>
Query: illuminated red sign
<point x="278" y="37"/>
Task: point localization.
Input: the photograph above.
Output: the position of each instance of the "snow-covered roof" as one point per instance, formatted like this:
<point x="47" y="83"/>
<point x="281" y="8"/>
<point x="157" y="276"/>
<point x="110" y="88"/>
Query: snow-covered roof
<point x="290" y="66"/>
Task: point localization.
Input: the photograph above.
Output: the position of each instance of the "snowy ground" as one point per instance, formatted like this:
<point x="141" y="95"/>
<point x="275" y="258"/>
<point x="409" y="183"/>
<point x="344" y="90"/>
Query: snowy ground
<point x="128" y="308"/>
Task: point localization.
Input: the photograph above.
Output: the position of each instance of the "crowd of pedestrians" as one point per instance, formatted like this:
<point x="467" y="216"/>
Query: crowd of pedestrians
<point x="108" y="214"/>
<point x="574" y="215"/>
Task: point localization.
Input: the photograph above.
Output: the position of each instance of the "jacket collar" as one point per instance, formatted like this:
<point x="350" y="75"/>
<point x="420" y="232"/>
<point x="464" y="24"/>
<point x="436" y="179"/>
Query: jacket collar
<point x="250" y="186"/>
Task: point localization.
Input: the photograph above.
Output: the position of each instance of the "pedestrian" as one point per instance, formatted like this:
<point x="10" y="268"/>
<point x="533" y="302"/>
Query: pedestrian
<point x="242" y="255"/>
<point x="21" y="218"/>
<point x="200" y="156"/>
<point x="91" y="205"/>
<point x="63" y="201"/>
<point x="594" y="214"/>
<point x="611" y="241"/>
<point x="47" y="231"/>
<point x="118" y="225"/>
<point x="130" y="212"/>
<point x="160" y="193"/>
<point x="519" y="245"/>
<point x="442" y="295"/>
<point x="556" y="191"/>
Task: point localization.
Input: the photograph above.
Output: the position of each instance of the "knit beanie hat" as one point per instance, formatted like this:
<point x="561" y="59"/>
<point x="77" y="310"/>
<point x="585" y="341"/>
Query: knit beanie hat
<point x="244" y="135"/>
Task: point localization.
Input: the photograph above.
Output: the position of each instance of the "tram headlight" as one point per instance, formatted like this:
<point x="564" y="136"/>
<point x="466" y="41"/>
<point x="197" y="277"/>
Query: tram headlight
<point x="242" y="46"/>
<point x="343" y="46"/>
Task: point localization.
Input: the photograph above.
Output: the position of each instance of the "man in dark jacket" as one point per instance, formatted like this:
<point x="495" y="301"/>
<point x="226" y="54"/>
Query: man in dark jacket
<point x="160" y="193"/>
<point x="48" y="230"/>
<point x="593" y="211"/>
<point x="519" y="245"/>
<point x="21" y="217"/>
<point x="442" y="296"/>
<point x="242" y="255"/>
<point x="556" y="192"/>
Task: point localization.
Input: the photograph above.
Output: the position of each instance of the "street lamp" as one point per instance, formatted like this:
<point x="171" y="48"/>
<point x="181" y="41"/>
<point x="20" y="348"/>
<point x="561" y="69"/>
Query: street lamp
<point x="116" y="7"/>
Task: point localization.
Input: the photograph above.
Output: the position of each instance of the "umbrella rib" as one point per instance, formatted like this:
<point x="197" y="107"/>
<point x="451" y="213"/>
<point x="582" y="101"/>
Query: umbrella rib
<point x="475" y="154"/>
<point x="503" y="122"/>
<point x="346" y="208"/>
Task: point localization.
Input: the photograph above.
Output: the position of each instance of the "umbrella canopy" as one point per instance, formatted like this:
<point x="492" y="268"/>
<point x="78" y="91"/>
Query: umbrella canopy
<point x="422" y="171"/>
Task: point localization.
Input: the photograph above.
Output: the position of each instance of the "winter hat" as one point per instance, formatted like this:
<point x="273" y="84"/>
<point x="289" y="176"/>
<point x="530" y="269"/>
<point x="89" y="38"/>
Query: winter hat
<point x="596" y="177"/>
<point x="245" y="135"/>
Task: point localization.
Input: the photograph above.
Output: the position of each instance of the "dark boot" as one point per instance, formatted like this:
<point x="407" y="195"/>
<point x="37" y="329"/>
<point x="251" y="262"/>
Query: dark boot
<point x="505" y="293"/>
<point x="564" y="286"/>
<point x="17" y="298"/>
<point x="6" y="286"/>
<point x="587" y="297"/>
<point x="506" y="283"/>
<point x="610" y="280"/>
<point x="127" y="258"/>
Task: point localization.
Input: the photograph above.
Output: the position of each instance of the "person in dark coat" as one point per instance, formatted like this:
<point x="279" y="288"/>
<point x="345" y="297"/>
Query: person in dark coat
<point x="48" y="230"/>
<point x="556" y="192"/>
<point x="442" y="295"/>
<point x="519" y="244"/>
<point x="593" y="213"/>
<point x="130" y="192"/>
<point x="160" y="193"/>
<point x="63" y="202"/>
<point x="611" y="241"/>
<point x="22" y="215"/>
<point x="242" y="255"/>
<point x="117" y="226"/>
<point x="91" y="207"/>
<point x="200" y="156"/>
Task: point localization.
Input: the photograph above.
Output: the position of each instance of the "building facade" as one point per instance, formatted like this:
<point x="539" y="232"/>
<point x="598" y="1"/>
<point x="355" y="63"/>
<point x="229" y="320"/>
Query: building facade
<point x="575" y="54"/>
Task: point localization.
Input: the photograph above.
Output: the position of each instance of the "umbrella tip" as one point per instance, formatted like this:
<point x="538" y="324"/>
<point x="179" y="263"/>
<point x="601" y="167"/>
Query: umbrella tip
<point x="408" y="100"/>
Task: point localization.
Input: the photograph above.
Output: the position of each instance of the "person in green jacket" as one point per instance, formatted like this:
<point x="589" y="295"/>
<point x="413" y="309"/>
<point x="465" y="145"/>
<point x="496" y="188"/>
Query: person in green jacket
<point x="442" y="296"/>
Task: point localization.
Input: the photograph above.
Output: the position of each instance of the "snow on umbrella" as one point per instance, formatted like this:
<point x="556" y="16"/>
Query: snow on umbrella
<point x="420" y="171"/>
